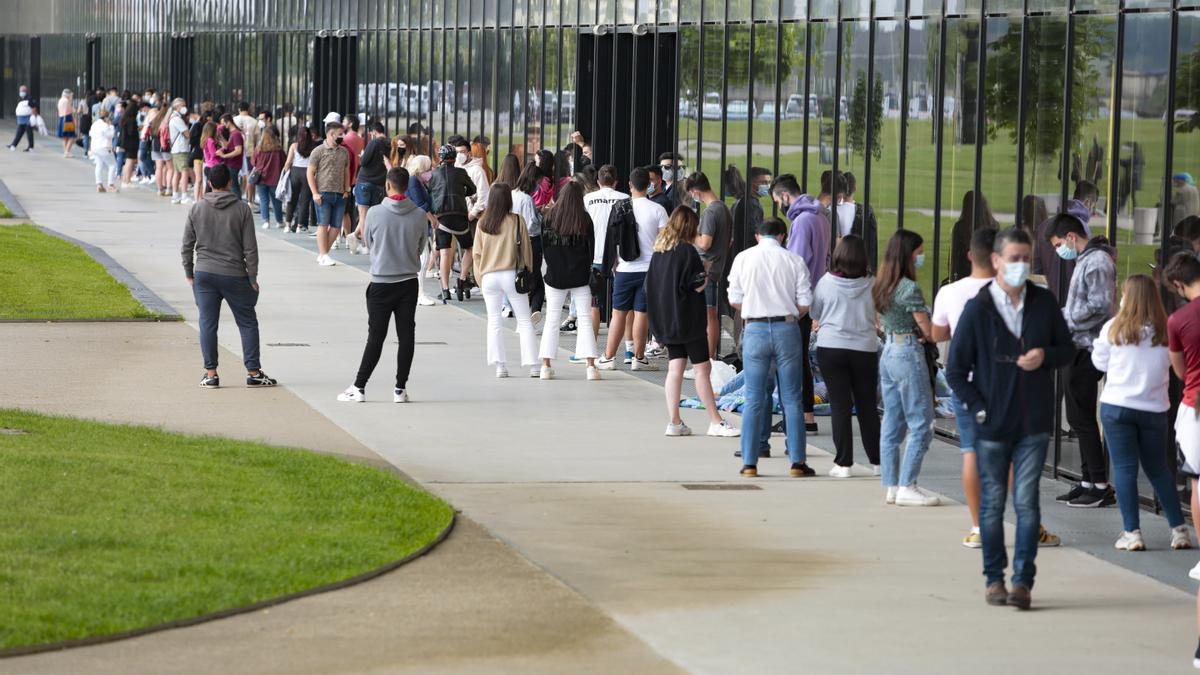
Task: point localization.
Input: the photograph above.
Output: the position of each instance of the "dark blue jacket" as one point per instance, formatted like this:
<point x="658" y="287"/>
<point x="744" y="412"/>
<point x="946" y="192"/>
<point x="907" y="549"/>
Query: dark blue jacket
<point x="417" y="193"/>
<point x="1018" y="403"/>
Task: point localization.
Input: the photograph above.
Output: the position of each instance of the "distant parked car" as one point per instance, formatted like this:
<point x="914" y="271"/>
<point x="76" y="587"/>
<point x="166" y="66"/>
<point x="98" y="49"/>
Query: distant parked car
<point x="712" y="107"/>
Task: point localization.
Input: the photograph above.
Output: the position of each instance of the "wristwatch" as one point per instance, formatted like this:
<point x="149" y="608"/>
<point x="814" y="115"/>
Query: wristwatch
<point x="981" y="417"/>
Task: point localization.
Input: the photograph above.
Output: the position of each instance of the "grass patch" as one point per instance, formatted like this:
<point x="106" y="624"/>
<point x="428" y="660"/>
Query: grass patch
<point x="4" y="211"/>
<point x="44" y="277"/>
<point x="106" y="528"/>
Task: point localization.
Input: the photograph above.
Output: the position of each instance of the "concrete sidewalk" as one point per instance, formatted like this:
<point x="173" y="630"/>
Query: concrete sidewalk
<point x="577" y="477"/>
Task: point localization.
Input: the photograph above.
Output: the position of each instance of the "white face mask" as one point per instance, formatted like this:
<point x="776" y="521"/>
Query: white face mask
<point x="24" y="94"/>
<point x="460" y="158"/>
<point x="183" y="110"/>
<point x="262" y="125"/>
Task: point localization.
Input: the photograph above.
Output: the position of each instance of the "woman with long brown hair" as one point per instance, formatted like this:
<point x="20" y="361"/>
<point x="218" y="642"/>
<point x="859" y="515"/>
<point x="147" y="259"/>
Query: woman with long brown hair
<point x="1132" y="348"/>
<point x="403" y="147"/>
<point x="268" y="162"/>
<point x="501" y="249"/>
<point x="903" y="373"/>
<point x="675" y="286"/>
<point x="568" y="242"/>
<point x="964" y="227"/>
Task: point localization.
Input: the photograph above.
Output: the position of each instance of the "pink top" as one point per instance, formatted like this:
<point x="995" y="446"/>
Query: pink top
<point x="210" y="153"/>
<point x="64" y="107"/>
<point x="544" y="194"/>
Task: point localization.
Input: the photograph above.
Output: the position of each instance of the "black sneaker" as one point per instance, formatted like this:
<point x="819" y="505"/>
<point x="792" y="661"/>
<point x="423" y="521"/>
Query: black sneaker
<point x="1090" y="499"/>
<point x="761" y="453"/>
<point x="1110" y="497"/>
<point x="801" y="470"/>
<point x="212" y="382"/>
<point x="260" y="379"/>
<point x="810" y="427"/>
<point x="567" y="326"/>
<point x="1074" y="493"/>
<point x="779" y="427"/>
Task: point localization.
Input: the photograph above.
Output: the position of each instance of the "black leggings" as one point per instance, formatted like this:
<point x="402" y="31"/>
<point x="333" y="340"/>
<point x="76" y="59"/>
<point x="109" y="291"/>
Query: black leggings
<point x="852" y="376"/>
<point x="300" y="212"/>
<point x="23" y="130"/>
<point x="807" y="395"/>
<point x="384" y="301"/>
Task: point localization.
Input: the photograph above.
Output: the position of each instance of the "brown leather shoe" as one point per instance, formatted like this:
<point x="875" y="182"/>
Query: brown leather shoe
<point x="749" y="472"/>
<point x="996" y="594"/>
<point x="1019" y="597"/>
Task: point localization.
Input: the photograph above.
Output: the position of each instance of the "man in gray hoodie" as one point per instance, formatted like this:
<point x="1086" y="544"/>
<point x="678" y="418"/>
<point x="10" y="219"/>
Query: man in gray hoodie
<point x="395" y="232"/>
<point x="220" y="259"/>
<point x="1091" y="301"/>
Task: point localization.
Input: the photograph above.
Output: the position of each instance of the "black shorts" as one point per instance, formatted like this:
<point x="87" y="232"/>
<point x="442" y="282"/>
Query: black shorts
<point x="443" y="239"/>
<point x="695" y="351"/>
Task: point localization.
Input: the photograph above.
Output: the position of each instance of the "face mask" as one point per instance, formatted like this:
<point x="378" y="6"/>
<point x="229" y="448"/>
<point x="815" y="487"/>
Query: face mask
<point x="426" y="176"/>
<point x="262" y="125"/>
<point x="650" y="190"/>
<point x="668" y="175"/>
<point x="24" y="94"/>
<point x="1016" y="273"/>
<point x="460" y="158"/>
<point x="764" y="190"/>
<point x="1066" y="251"/>
<point x="183" y="110"/>
<point x="338" y="140"/>
<point x="920" y="261"/>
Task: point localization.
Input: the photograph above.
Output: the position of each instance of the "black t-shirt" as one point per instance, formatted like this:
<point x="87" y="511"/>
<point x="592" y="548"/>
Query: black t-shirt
<point x="372" y="169"/>
<point x="194" y="140"/>
<point x="677" y="314"/>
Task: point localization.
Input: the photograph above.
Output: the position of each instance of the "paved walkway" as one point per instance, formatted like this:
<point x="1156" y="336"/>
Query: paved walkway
<point x="576" y="477"/>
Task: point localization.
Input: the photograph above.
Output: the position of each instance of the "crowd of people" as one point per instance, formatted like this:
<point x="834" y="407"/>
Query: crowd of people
<point x="658" y="256"/>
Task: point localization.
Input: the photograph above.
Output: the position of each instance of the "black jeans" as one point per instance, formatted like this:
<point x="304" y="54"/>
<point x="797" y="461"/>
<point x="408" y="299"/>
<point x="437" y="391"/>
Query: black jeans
<point x="1082" y="380"/>
<point x="806" y="394"/>
<point x="537" y="294"/>
<point x="384" y="301"/>
<point x="852" y="376"/>
<point x="23" y="130"/>
<point x="210" y="290"/>
<point x="300" y="212"/>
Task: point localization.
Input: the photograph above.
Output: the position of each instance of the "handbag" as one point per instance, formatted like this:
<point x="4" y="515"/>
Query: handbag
<point x="524" y="280"/>
<point x="931" y="362"/>
<point x="68" y="125"/>
<point x="254" y="177"/>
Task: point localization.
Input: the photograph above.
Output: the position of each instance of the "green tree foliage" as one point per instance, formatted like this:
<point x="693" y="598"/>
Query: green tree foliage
<point x="864" y="115"/>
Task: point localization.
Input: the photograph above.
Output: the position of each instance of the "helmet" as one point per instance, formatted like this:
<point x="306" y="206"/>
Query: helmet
<point x="447" y="152"/>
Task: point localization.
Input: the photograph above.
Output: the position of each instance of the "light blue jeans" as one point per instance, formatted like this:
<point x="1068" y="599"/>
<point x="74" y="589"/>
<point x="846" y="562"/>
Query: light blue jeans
<point x="907" y="407"/>
<point x="1026" y="455"/>
<point x="767" y="347"/>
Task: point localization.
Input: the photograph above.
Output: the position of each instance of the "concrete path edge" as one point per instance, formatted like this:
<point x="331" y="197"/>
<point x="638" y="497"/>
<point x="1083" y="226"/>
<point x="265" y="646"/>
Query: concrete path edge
<point x="10" y="200"/>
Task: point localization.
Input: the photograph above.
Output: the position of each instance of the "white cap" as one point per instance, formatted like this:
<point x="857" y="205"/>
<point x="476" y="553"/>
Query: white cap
<point x="332" y="117"/>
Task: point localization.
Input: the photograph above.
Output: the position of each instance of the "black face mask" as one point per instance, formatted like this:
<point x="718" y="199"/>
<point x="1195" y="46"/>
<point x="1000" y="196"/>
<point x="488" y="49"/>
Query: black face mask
<point x="338" y="140"/>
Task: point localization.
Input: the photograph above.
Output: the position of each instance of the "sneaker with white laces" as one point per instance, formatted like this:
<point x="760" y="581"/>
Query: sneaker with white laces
<point x="260" y="379"/>
<point x="973" y="540"/>
<point x="606" y="364"/>
<point x="840" y="472"/>
<point x="914" y="495"/>
<point x="723" y="429"/>
<point x="1180" y="537"/>
<point x="890" y="497"/>
<point x="352" y="395"/>
<point x="689" y="374"/>
<point x="399" y="396"/>
<point x="326" y="261"/>
<point x="680" y="429"/>
<point x="501" y="372"/>
<point x="547" y="373"/>
<point x="642" y="364"/>
<point x="593" y="373"/>
<point x="1130" y="541"/>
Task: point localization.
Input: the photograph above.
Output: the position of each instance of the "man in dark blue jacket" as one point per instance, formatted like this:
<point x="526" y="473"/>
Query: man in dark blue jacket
<point x="1010" y="340"/>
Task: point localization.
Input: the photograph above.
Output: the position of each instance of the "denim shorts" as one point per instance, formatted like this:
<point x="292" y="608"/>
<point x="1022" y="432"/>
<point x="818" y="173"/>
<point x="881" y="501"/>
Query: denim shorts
<point x="331" y="209"/>
<point x="968" y="430"/>
<point x="629" y="291"/>
<point x="368" y="194"/>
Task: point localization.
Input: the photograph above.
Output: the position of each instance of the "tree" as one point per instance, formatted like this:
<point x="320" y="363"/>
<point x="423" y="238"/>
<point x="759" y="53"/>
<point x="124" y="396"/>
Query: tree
<point x="864" y="115"/>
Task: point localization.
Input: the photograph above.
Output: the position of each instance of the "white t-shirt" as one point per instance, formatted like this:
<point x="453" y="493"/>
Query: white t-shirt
<point x="1138" y="375"/>
<point x="845" y="217"/>
<point x="650" y="218"/>
<point x="952" y="298"/>
<point x="178" y="131"/>
<point x="599" y="205"/>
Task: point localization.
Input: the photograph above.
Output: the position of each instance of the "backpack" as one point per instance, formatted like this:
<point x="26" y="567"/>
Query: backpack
<point x="629" y="246"/>
<point x="164" y="135"/>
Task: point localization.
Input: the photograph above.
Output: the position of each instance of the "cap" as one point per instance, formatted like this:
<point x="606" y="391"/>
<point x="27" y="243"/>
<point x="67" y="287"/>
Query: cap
<point x="1185" y="177"/>
<point x="332" y="118"/>
<point x="447" y="152"/>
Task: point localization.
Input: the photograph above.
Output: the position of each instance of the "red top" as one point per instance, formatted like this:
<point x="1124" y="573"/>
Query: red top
<point x="1183" y="331"/>
<point x="235" y="140"/>
<point x="269" y="164"/>
<point x="353" y="161"/>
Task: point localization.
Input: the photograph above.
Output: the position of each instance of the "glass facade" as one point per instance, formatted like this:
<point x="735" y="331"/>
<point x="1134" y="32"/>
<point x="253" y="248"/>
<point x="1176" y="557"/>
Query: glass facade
<point x="949" y="113"/>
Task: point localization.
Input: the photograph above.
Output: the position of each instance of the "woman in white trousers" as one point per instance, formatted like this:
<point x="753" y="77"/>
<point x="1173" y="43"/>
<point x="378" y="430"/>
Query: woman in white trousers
<point x="568" y="244"/>
<point x="501" y="249"/>
<point x="101" y="135"/>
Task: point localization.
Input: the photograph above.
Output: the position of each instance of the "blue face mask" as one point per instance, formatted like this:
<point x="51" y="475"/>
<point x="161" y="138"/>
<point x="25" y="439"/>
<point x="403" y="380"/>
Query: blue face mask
<point x="920" y="261"/>
<point x="764" y="190"/>
<point x="1016" y="273"/>
<point x="1066" y="251"/>
<point x="650" y="190"/>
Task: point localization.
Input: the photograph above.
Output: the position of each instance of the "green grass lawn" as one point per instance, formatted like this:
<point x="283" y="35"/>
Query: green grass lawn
<point x="44" y="277"/>
<point x="4" y="212"/>
<point x="107" y="528"/>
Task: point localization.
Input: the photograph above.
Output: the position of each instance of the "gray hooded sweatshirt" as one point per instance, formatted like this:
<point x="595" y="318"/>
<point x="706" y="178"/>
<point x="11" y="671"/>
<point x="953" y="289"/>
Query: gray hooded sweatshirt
<point x="1091" y="296"/>
<point x="846" y="313"/>
<point x="218" y="237"/>
<point x="395" y="231"/>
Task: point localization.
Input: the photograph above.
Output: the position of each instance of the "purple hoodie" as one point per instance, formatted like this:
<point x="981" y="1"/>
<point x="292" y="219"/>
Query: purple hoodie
<point x="809" y="236"/>
<point x="1046" y="261"/>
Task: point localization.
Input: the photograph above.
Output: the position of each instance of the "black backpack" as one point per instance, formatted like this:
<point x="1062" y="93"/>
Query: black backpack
<point x="629" y="246"/>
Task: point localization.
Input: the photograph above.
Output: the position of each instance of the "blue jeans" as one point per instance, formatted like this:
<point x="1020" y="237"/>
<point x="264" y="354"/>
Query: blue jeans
<point x="266" y="197"/>
<point x="1026" y="456"/>
<point x="147" y="164"/>
<point x="907" y="406"/>
<point x="1133" y="436"/>
<point x="968" y="430"/>
<point x="331" y="209"/>
<point x="210" y="290"/>
<point x="767" y="348"/>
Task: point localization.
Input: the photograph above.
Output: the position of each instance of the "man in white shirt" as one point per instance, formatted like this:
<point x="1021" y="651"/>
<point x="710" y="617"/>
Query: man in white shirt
<point x="248" y="125"/>
<point x="770" y="286"/>
<point x="599" y="206"/>
<point x="181" y="151"/>
<point x="629" y="282"/>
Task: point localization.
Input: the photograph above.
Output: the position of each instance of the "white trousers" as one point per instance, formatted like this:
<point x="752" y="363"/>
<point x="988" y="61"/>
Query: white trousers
<point x="106" y="168"/>
<point x="585" y="340"/>
<point x="496" y="287"/>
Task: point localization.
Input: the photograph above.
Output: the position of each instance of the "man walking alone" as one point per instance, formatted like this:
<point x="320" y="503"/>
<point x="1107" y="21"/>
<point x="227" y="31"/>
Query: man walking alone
<point x="220" y="259"/>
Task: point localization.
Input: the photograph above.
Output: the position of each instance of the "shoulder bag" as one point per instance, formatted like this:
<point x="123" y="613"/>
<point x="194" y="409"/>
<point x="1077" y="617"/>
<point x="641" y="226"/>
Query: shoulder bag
<point x="524" y="281"/>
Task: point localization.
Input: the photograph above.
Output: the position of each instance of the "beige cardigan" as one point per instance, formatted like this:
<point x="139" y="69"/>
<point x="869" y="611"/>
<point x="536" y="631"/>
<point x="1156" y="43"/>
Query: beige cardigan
<point x="498" y="252"/>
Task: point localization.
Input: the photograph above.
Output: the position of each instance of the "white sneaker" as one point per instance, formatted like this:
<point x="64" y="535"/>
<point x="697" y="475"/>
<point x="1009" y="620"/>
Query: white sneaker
<point x="506" y="312"/>
<point x="689" y="374"/>
<point x="1131" y="541"/>
<point x="547" y="373"/>
<point x="874" y="469"/>
<point x="593" y="373"/>
<point x="1180" y="537"/>
<point x="536" y="319"/>
<point x="680" y="429"/>
<point x="840" y="472"/>
<point x="399" y="396"/>
<point x="425" y="301"/>
<point x="1195" y="572"/>
<point x="915" y="495"/>
<point x="642" y="364"/>
<point x="606" y="364"/>
<point x="535" y="372"/>
<point x="187" y="200"/>
<point x="501" y="372"/>
<point x="326" y="261"/>
<point x="890" y="498"/>
<point x="266" y="223"/>
<point x="352" y="395"/>
<point x="723" y="429"/>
